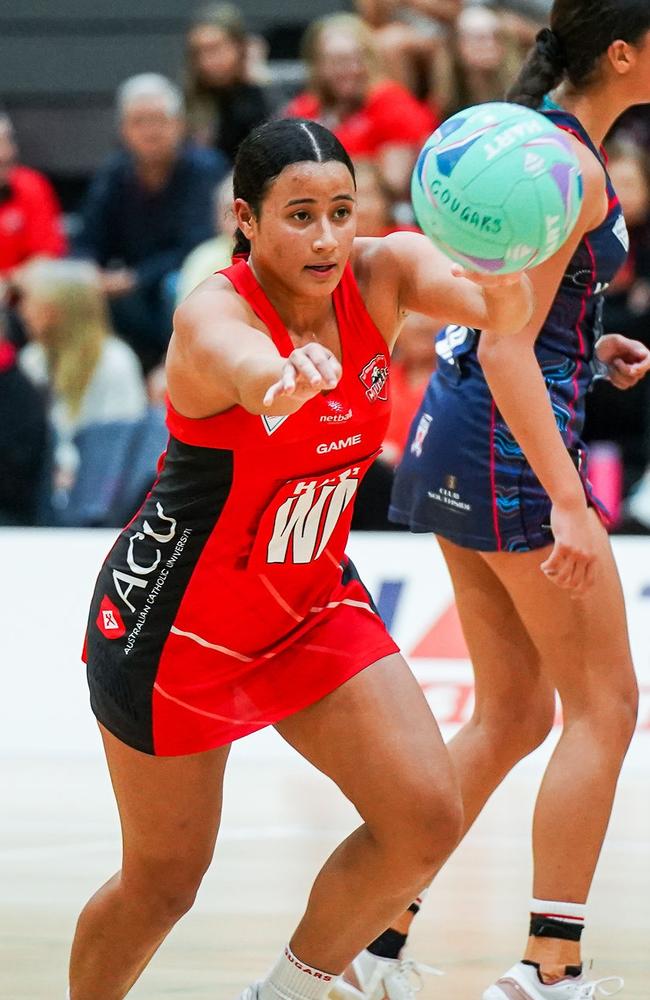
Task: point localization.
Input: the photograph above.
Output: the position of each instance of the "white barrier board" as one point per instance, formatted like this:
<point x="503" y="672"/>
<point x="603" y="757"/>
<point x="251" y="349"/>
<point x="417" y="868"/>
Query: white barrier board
<point x="47" y="580"/>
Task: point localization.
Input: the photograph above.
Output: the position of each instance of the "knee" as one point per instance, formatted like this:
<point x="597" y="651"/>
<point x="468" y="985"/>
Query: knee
<point x="430" y="826"/>
<point x="167" y="888"/>
<point x="610" y="713"/>
<point x="515" y="726"/>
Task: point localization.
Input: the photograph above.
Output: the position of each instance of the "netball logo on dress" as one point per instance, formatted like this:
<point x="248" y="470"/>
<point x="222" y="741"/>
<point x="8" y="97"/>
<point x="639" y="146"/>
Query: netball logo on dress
<point x="375" y="378"/>
<point x="109" y="620"/>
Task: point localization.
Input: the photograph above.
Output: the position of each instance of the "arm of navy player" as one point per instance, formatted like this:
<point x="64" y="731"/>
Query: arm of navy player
<point x="517" y="385"/>
<point x="218" y="357"/>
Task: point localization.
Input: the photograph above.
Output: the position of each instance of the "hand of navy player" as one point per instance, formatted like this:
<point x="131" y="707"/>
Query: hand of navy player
<point x="628" y="360"/>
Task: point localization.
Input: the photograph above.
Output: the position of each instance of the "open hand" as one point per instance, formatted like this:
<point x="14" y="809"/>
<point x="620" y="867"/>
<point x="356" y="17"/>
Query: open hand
<point x="307" y="371"/>
<point x="628" y="360"/>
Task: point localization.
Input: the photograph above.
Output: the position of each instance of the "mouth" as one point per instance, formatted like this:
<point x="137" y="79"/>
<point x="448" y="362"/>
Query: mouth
<point x="321" y="268"/>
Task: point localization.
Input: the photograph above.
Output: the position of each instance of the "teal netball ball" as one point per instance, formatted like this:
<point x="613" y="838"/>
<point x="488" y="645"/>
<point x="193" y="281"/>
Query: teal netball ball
<point x="498" y="188"/>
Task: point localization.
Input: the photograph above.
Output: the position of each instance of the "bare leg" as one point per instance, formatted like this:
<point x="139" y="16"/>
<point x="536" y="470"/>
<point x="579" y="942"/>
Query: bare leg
<point x="514" y="702"/>
<point x="169" y="811"/>
<point x="584" y="650"/>
<point x="376" y="738"/>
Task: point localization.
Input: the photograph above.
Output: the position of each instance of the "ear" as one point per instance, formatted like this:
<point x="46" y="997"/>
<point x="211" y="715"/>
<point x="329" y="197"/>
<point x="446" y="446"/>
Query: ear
<point x="245" y="217"/>
<point x="622" y="57"/>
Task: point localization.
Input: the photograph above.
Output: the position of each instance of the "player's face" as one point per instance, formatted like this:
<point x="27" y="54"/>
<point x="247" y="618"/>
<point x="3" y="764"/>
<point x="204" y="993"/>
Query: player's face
<point x="306" y="227"/>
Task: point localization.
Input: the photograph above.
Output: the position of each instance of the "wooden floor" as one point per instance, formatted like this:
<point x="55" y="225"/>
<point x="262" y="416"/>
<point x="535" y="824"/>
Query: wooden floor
<point x="59" y="840"/>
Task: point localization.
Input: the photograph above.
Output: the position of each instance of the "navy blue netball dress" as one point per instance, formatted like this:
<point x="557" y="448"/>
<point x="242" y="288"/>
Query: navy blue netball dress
<point x="463" y="475"/>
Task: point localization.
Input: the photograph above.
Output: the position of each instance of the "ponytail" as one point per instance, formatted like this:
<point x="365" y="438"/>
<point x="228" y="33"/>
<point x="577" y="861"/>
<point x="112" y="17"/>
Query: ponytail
<point x="242" y="246"/>
<point x="581" y="32"/>
<point x="542" y="72"/>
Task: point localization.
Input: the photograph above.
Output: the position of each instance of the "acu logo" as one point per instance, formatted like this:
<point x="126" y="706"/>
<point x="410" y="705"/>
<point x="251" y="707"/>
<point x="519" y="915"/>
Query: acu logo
<point x="306" y="520"/>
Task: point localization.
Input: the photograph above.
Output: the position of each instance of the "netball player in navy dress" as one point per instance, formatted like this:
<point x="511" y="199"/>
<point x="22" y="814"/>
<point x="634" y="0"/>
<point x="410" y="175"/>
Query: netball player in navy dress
<point x="496" y="468"/>
<point x="229" y="604"/>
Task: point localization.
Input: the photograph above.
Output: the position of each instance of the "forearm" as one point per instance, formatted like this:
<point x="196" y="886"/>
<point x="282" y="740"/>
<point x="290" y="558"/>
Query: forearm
<point x="252" y="378"/>
<point x="517" y="386"/>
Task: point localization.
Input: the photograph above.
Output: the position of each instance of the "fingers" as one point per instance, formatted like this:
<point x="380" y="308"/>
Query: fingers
<point x="317" y="366"/>
<point x="569" y="570"/>
<point x="312" y="368"/>
<point x="486" y="280"/>
<point x="624" y="375"/>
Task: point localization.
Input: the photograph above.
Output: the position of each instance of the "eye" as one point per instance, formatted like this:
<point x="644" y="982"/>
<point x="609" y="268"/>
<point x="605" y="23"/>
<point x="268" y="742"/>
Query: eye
<point x="342" y="213"/>
<point x="301" y="216"/>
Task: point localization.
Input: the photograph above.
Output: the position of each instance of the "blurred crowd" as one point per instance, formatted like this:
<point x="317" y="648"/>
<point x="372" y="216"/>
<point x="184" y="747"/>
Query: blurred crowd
<point x="87" y="299"/>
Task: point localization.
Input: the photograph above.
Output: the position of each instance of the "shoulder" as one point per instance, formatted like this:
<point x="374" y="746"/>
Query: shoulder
<point x="213" y="298"/>
<point x="113" y="171"/>
<point x="594" y="180"/>
<point x="30" y="183"/>
<point x="201" y="160"/>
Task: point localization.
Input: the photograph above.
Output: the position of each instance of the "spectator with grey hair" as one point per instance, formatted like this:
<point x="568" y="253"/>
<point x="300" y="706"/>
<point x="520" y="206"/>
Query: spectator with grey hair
<point x="146" y="209"/>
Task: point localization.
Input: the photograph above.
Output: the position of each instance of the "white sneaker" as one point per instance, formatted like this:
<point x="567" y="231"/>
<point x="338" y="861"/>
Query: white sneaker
<point x="523" y="983"/>
<point x="381" y="979"/>
<point x="251" y="992"/>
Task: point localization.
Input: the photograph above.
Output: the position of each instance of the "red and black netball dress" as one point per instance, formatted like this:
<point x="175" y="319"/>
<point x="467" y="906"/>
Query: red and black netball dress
<point x="228" y="602"/>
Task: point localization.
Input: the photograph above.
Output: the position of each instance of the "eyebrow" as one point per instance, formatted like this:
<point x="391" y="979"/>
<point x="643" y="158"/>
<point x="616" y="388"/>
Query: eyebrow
<point x="312" y="201"/>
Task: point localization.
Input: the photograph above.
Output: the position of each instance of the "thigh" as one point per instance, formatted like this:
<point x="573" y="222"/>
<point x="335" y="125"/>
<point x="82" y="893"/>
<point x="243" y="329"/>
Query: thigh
<point x="169" y="807"/>
<point x="506" y="663"/>
<point x="582" y="642"/>
<point x="376" y="737"/>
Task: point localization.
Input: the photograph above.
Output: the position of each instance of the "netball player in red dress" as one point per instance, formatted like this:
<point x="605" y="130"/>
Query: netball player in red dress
<point x="228" y="603"/>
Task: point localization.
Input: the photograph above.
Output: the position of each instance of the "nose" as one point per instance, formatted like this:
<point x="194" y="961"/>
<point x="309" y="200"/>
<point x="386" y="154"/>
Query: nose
<point x="326" y="239"/>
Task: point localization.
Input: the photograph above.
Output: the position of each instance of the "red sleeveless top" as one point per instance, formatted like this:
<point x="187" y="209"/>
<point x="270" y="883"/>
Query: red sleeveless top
<point x="228" y="602"/>
<point x="282" y="531"/>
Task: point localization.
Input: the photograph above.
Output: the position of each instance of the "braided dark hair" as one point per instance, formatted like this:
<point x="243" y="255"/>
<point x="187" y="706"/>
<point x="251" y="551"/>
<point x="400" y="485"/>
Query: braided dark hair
<point x="271" y="147"/>
<point x="581" y="32"/>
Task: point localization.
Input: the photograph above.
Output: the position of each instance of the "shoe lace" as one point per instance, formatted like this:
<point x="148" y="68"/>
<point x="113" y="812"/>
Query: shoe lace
<point x="409" y="975"/>
<point x="591" y="991"/>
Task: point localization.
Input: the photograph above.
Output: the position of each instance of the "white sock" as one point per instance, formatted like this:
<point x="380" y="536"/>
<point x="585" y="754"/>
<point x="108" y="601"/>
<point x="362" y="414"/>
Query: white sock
<point x="567" y="913"/>
<point x="291" y="979"/>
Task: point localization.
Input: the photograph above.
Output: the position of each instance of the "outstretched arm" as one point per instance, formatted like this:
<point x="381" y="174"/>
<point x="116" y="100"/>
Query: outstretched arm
<point x="218" y="359"/>
<point x="429" y="283"/>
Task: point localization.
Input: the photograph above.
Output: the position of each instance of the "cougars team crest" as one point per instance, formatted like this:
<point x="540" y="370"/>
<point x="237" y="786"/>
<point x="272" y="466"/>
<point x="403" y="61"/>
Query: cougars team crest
<point x="375" y="378"/>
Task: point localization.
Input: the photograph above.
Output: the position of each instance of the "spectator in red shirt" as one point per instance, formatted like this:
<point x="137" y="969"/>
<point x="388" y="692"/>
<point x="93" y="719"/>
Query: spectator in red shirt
<point x="413" y="363"/>
<point x="372" y="116"/>
<point x="30" y="216"/>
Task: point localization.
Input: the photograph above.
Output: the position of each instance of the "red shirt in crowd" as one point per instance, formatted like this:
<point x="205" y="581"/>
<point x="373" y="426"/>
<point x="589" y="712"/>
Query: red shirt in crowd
<point x="406" y="397"/>
<point x="30" y="219"/>
<point x="390" y="116"/>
